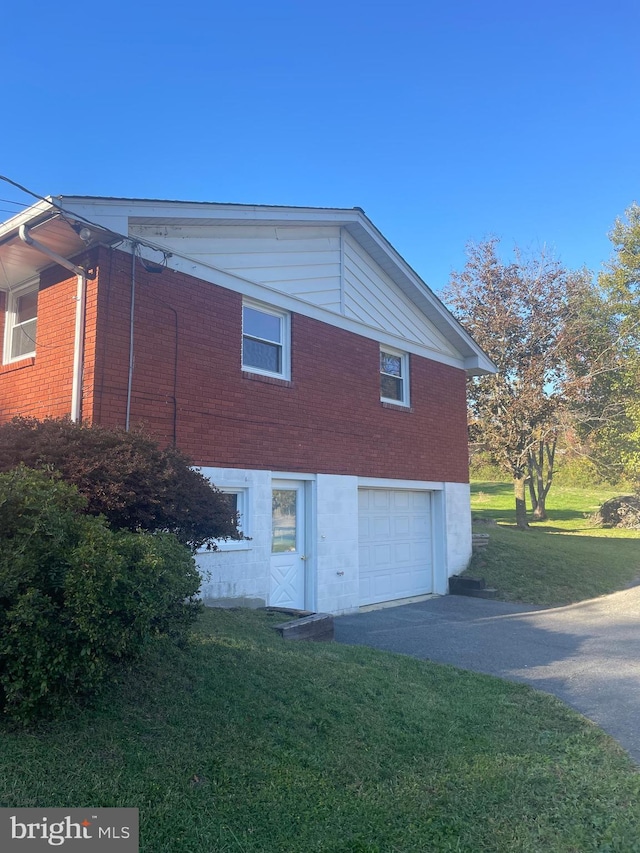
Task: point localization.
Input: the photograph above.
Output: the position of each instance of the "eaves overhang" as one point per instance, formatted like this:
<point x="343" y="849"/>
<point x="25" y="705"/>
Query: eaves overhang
<point x="58" y="232"/>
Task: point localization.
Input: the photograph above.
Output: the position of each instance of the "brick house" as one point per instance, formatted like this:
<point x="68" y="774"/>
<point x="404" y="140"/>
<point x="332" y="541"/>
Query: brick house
<point x="290" y="352"/>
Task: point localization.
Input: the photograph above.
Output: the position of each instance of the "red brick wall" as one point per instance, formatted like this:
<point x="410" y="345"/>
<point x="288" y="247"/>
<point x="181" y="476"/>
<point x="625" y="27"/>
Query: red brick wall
<point x="41" y="386"/>
<point x="187" y="382"/>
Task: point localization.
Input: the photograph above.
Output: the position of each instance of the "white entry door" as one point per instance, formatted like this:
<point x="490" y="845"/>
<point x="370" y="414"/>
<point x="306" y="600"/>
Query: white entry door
<point x="288" y="555"/>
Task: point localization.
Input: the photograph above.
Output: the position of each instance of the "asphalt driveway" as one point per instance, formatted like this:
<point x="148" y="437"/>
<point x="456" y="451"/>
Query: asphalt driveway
<point x="586" y="654"/>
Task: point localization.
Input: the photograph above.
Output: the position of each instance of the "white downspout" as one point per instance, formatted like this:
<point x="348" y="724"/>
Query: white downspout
<point x="78" y="342"/>
<point x="78" y="348"/>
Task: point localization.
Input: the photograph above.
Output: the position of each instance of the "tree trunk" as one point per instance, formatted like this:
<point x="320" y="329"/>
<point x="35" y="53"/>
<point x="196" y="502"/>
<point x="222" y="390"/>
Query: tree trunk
<point x="533" y="496"/>
<point x="540" y="512"/>
<point x="521" y="502"/>
<point x="541" y="476"/>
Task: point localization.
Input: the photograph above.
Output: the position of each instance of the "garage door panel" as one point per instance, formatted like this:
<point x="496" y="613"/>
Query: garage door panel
<point x="401" y="526"/>
<point x="382" y="556"/>
<point x="395" y="544"/>
<point x="381" y="587"/>
<point x="420" y="525"/>
<point x="381" y="527"/>
<point x="400" y="500"/>
<point x="404" y="553"/>
<point x="379" y="500"/>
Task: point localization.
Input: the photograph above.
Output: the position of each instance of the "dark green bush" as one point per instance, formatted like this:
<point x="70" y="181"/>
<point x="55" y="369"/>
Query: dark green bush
<point x="77" y="598"/>
<point x="124" y="476"/>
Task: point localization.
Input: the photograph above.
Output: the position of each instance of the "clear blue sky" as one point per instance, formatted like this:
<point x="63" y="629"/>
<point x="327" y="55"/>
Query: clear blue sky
<point x="447" y="122"/>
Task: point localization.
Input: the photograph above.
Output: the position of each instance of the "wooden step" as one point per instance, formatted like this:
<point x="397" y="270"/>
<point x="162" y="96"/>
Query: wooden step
<point x="317" y="627"/>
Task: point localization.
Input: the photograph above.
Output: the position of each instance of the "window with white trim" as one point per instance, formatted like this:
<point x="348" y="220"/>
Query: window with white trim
<point x="20" y="322"/>
<point x="394" y="377"/>
<point x="239" y="502"/>
<point x="265" y="340"/>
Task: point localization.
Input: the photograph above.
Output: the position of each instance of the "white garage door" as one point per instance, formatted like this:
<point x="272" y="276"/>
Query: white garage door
<point x="395" y="544"/>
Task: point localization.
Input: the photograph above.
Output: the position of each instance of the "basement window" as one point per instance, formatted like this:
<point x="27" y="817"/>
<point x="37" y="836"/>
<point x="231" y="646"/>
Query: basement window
<point x="239" y="502"/>
<point x="20" y="323"/>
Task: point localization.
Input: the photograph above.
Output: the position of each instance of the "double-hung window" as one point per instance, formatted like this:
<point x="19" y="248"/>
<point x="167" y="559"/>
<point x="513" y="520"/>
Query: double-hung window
<point x="265" y="340"/>
<point x="394" y="377"/>
<point x="20" y="322"/>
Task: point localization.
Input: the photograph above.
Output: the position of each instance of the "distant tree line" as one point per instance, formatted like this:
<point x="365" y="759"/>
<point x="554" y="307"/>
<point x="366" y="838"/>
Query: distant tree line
<point x="567" y="348"/>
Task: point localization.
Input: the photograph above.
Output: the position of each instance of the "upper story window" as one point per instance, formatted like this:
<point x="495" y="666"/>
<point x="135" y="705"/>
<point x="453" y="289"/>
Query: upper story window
<point x="20" y="323"/>
<point x="265" y="340"/>
<point x="394" y="377"/>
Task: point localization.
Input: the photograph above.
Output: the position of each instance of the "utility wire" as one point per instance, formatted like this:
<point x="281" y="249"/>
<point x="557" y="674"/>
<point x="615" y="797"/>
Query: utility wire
<point x="135" y="241"/>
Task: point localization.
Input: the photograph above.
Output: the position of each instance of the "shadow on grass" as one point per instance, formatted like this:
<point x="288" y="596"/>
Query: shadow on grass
<point x="508" y="516"/>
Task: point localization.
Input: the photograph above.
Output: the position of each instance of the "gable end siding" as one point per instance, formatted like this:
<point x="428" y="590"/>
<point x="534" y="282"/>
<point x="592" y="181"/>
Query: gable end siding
<point x="299" y="261"/>
<point x="188" y="384"/>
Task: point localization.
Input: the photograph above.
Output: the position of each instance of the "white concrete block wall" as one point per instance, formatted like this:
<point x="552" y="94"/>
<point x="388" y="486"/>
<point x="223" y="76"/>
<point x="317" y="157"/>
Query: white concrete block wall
<point x="238" y="574"/>
<point x="337" y="589"/>
<point x="457" y="498"/>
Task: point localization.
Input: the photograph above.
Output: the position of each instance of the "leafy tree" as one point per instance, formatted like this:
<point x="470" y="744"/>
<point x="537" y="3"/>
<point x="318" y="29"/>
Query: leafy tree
<point x="519" y="314"/>
<point x="621" y="278"/>
<point x="124" y="476"/>
<point x="617" y="440"/>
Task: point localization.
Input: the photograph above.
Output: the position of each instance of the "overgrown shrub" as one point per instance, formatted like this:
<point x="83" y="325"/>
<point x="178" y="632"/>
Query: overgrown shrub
<point x="76" y="597"/>
<point x="124" y="476"/>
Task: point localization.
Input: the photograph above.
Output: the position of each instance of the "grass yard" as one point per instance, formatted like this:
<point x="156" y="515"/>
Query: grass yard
<point x="558" y="561"/>
<point x="243" y="743"/>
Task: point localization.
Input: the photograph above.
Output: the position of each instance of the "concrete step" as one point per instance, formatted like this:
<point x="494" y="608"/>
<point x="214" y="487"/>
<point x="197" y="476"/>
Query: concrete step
<point x="475" y="587"/>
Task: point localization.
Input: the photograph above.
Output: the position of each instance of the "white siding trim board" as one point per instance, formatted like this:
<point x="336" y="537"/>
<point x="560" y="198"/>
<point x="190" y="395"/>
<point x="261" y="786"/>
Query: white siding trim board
<point x="366" y="282"/>
<point x="279" y="299"/>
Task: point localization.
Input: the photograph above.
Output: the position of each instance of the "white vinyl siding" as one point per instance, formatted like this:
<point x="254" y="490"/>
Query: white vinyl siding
<point x="371" y="297"/>
<point x="321" y="265"/>
<point x="299" y="261"/>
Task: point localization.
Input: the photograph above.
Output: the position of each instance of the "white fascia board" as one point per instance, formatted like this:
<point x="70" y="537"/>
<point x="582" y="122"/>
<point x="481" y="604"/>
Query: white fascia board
<point x="26" y="217"/>
<point x="421" y="294"/>
<point x="177" y="212"/>
<point x="104" y="215"/>
<point x="479" y="366"/>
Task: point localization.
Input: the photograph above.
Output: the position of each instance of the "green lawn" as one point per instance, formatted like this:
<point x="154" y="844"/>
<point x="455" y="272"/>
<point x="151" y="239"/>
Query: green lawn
<point x="245" y="743"/>
<point x="558" y="561"/>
